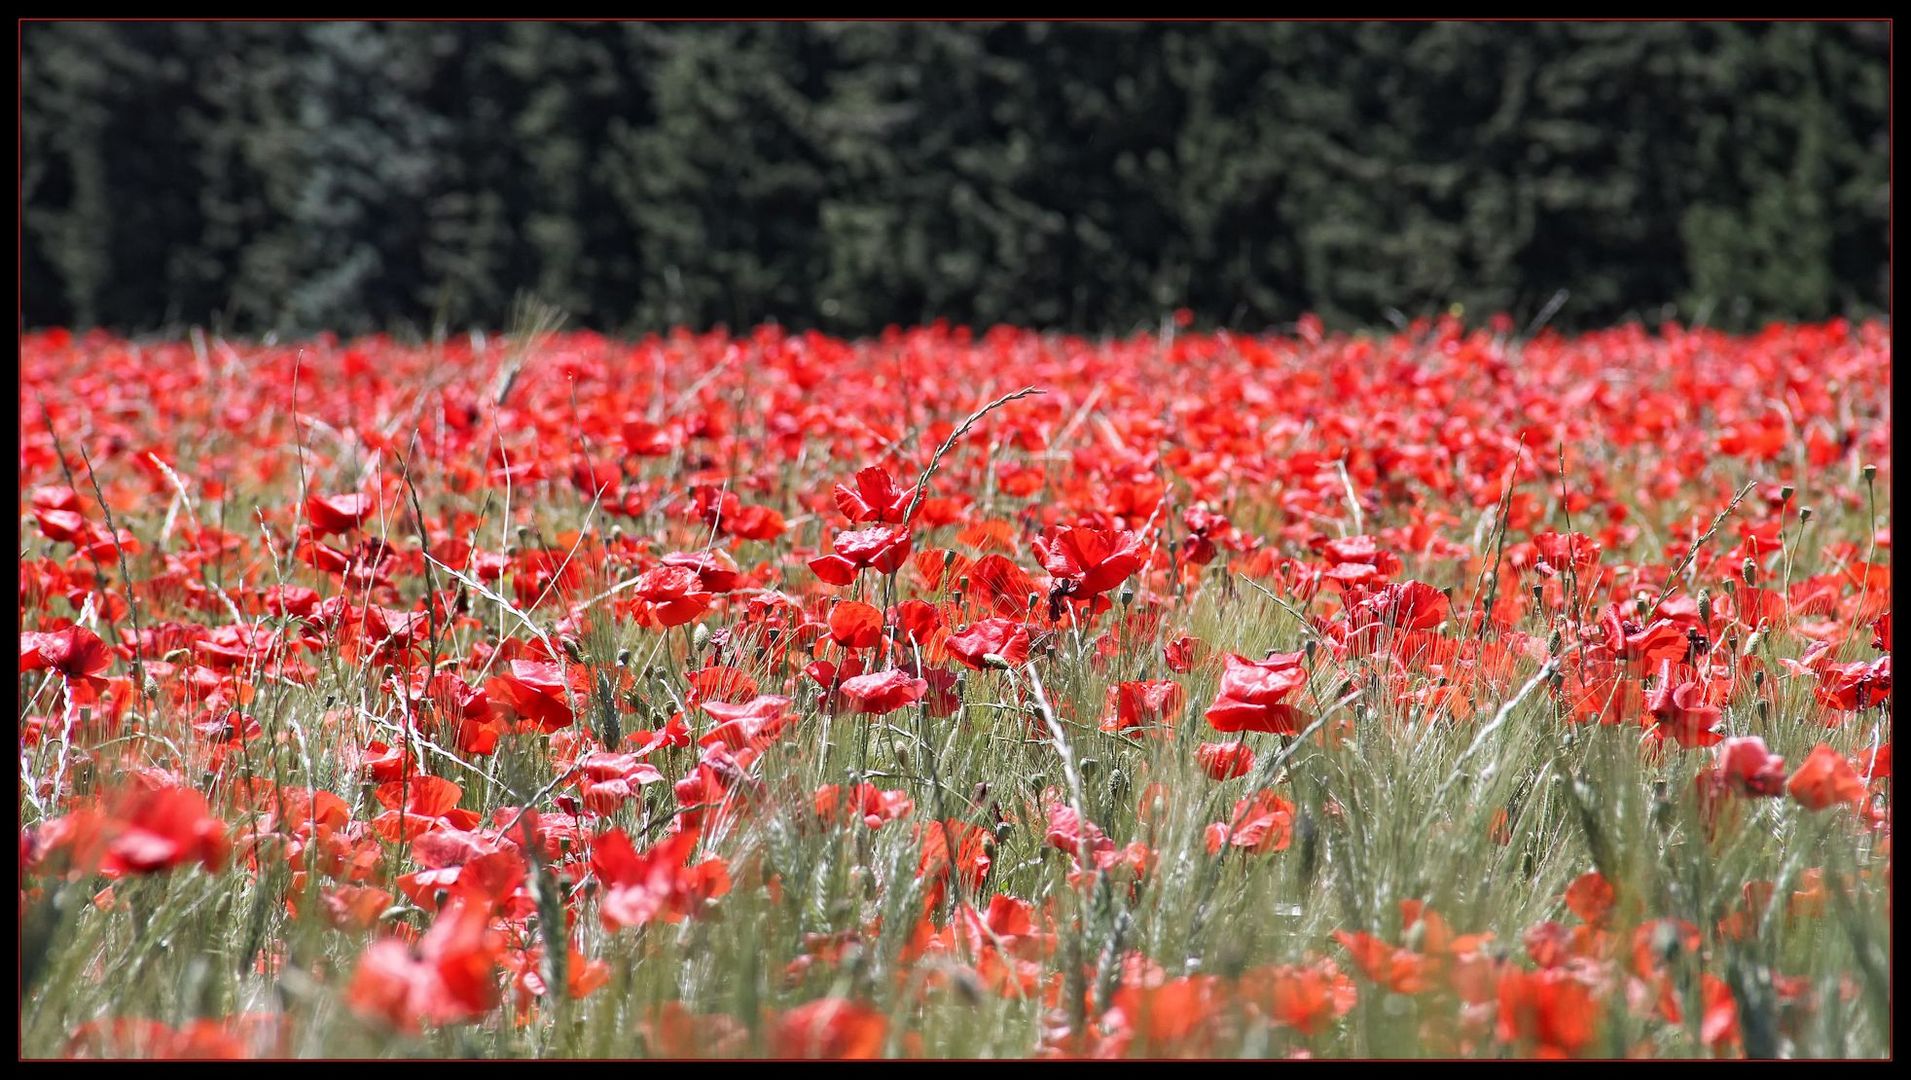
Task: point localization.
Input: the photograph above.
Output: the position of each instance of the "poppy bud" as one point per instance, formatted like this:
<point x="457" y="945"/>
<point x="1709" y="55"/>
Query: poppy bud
<point x="1758" y="678"/>
<point x="1750" y="572"/>
<point x="1310" y="649"/>
<point x="1705" y="606"/>
<point x="700" y="637"/>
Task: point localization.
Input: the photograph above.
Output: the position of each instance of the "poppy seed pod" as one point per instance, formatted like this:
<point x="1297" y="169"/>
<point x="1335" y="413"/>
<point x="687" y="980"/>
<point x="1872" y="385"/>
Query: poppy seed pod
<point x="1804" y="513"/>
<point x="1871" y="472"/>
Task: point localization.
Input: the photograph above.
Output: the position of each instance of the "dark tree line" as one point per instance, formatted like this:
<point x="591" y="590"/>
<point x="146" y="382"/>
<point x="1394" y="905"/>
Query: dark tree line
<point x="357" y="176"/>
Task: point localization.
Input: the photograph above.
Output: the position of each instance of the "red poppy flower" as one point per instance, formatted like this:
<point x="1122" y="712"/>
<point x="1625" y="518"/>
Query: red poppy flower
<point x="655" y="883"/>
<point x="673" y="595"/>
<point x="1251" y="695"/>
<point x="973" y="847"/>
<point x="450" y="977"/>
<point x="1549" y="1013"/>
<point x="1857" y="685"/>
<point x="75" y="652"/>
<point x="1224" y="761"/>
<point x="1748" y="768"/>
<point x="882" y="692"/>
<point x="1825" y="779"/>
<point x="1143" y="705"/>
<point x="855" y="625"/>
<point x="865" y="802"/>
<point x="755" y="722"/>
<point x="537" y="690"/>
<point x="1086" y="562"/>
<point x="830" y="1028"/>
<point x="1682" y="712"/>
<point x="1004" y="639"/>
<point x="1591" y="897"/>
<point x="1304" y="997"/>
<point x="1401" y="971"/>
<point x="331" y="515"/>
<point x="1262" y="822"/>
<point x="875" y="497"/>
<point x="882" y="548"/>
<point x="715" y="569"/>
<point x="1409" y="605"/>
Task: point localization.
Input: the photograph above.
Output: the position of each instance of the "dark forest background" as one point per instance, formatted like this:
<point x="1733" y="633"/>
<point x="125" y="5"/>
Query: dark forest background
<point x="350" y="176"/>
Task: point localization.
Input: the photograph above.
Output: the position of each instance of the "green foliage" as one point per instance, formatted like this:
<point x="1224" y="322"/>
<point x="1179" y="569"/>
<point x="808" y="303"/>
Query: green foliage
<point x="356" y="176"/>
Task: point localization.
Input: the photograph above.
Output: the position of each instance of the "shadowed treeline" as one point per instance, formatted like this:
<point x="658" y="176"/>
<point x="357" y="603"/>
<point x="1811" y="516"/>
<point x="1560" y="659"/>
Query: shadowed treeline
<point x="355" y="176"/>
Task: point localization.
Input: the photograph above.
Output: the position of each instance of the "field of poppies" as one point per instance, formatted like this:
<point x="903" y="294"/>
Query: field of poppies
<point x="1447" y="692"/>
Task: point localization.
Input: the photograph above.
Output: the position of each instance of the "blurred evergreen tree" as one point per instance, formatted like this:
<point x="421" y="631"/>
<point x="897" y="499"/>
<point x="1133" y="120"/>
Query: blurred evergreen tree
<point x="357" y="176"/>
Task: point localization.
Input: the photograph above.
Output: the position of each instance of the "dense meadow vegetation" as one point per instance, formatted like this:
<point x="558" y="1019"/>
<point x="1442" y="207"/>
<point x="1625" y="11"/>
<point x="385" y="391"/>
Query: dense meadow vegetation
<point x="1452" y="691"/>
